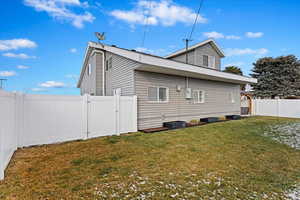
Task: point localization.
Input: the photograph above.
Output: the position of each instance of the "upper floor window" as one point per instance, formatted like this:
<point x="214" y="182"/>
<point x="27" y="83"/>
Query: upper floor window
<point x="108" y="63"/>
<point x="89" y="69"/>
<point x="199" y="96"/>
<point x="205" y="60"/>
<point x="158" y="94"/>
<point x="209" y="61"/>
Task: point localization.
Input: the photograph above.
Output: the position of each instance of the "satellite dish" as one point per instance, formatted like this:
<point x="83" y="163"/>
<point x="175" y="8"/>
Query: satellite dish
<point x="100" y="36"/>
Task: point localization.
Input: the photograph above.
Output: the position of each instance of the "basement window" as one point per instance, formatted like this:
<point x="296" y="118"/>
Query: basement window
<point x="199" y="96"/>
<point x="158" y="94"/>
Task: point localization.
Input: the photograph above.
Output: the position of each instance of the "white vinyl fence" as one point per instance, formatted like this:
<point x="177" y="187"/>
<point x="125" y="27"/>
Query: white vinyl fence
<point x="277" y="107"/>
<point x="8" y="137"/>
<point x="27" y="120"/>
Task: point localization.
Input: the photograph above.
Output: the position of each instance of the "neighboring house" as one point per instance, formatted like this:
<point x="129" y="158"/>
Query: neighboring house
<point x="167" y="88"/>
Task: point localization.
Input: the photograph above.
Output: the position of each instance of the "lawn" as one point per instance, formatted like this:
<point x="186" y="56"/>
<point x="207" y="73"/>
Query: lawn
<point x="227" y="160"/>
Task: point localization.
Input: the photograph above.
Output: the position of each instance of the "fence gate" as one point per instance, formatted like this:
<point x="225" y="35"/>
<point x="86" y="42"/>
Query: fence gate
<point x="110" y="115"/>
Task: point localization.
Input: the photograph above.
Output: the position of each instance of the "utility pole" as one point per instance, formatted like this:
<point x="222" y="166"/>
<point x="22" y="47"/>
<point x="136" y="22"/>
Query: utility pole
<point x="1" y="82"/>
<point x="186" y="48"/>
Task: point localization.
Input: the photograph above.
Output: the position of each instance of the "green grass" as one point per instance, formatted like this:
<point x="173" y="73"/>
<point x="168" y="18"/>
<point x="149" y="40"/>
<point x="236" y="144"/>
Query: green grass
<point x="230" y="160"/>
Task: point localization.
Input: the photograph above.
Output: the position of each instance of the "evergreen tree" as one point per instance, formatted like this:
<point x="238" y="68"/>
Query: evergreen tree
<point x="277" y="76"/>
<point x="233" y="70"/>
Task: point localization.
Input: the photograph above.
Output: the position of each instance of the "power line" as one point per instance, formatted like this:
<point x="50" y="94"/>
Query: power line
<point x="196" y="19"/>
<point x="188" y="39"/>
<point x="146" y="26"/>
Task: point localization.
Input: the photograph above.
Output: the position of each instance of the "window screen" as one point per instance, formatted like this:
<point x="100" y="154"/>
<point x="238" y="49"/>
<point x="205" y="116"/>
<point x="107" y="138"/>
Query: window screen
<point x="163" y="94"/>
<point x="199" y="96"/>
<point x="110" y="62"/>
<point x="106" y="66"/>
<point x="205" y="60"/>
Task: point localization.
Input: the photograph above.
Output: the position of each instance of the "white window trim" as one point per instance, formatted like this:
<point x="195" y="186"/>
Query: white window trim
<point x="108" y="63"/>
<point x="207" y="60"/>
<point x="231" y="96"/>
<point x="210" y="63"/>
<point x="202" y="94"/>
<point x="89" y="69"/>
<point x="213" y="64"/>
<point x="157" y="100"/>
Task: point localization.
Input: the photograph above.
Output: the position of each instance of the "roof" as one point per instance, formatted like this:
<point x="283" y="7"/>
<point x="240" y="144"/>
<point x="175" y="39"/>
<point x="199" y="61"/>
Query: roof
<point x="167" y="66"/>
<point x="209" y="41"/>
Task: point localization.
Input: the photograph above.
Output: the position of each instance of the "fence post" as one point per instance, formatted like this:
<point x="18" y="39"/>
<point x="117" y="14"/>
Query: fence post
<point x="278" y="107"/>
<point x="134" y="113"/>
<point x="19" y="118"/>
<point x="117" y="113"/>
<point x="85" y="117"/>
<point x="253" y="109"/>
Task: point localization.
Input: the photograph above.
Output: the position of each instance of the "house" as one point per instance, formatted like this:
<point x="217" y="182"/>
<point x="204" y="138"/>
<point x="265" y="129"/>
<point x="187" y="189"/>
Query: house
<point x="167" y="88"/>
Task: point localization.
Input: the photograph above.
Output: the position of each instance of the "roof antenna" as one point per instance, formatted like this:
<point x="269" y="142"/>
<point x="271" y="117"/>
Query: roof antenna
<point x="100" y="37"/>
<point x="186" y="48"/>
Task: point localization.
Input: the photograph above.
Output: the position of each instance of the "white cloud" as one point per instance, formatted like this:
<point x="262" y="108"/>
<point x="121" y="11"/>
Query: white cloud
<point x="15" y="44"/>
<point x="73" y="50"/>
<point x="213" y="34"/>
<point x="164" y="12"/>
<point x="7" y="73"/>
<point x="52" y="84"/>
<point x="233" y="37"/>
<point x="72" y="76"/>
<point x="20" y="55"/>
<point x="217" y="35"/>
<point x="254" y="35"/>
<point x="22" y="67"/>
<point x="246" y="51"/>
<point x="58" y="9"/>
<point x="238" y="64"/>
<point x="38" y="89"/>
<point x="71" y="2"/>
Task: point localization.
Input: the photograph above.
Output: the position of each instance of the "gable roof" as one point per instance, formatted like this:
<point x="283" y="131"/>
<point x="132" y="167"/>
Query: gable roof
<point x="209" y="41"/>
<point x="163" y="65"/>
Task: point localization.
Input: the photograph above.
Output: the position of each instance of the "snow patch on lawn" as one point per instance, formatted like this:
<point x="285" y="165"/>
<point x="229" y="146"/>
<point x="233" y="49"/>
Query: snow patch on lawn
<point x="288" y="134"/>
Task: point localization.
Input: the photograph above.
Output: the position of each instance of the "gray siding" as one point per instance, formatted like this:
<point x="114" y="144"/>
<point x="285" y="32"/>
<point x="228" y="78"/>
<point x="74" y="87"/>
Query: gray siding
<point x="182" y="58"/>
<point x="92" y="84"/>
<point x="121" y="75"/>
<point x="88" y="83"/>
<point x="217" y="101"/>
<point x="195" y="57"/>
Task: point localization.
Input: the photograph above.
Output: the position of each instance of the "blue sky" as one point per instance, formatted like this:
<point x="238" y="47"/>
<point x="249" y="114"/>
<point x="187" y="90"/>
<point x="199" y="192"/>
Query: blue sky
<point x="42" y="42"/>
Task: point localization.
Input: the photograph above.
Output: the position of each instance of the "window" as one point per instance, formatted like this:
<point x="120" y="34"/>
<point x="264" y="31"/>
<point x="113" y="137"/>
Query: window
<point x="205" y="60"/>
<point x="209" y="61"/>
<point x="89" y="69"/>
<point x="231" y="97"/>
<point x="108" y="63"/>
<point x="158" y="94"/>
<point x="199" y="96"/>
